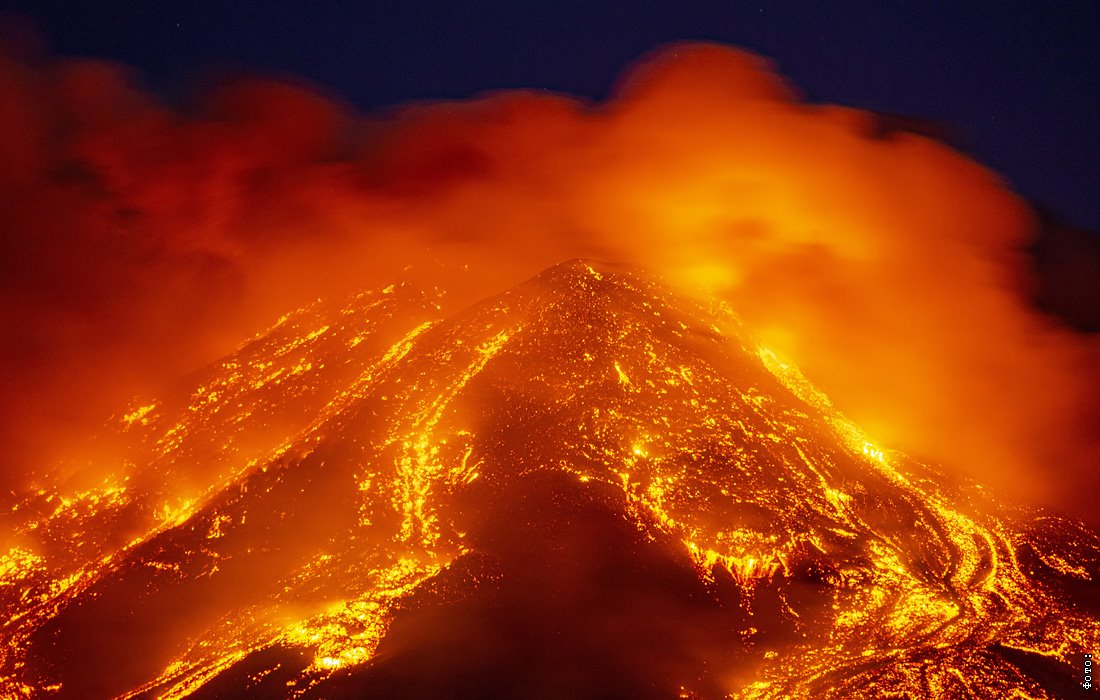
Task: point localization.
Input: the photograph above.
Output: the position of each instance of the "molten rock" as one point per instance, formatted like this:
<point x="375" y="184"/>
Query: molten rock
<point x="584" y="487"/>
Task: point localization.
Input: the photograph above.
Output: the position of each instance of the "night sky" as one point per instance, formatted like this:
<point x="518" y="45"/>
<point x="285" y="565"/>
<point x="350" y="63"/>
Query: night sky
<point x="1017" y="84"/>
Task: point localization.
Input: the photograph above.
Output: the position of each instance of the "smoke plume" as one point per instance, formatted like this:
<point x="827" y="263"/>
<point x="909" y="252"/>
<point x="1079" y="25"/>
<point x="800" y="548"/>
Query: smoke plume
<point x="141" y="240"/>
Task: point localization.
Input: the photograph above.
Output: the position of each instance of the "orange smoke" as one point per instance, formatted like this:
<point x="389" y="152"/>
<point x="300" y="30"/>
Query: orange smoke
<point x="142" y="241"/>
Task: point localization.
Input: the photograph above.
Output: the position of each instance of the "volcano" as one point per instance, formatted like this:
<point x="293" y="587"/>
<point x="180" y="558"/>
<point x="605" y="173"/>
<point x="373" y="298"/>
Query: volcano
<point x="583" y="487"/>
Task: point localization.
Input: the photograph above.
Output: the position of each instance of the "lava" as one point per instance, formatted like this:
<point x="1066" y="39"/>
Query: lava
<point x="586" y="486"/>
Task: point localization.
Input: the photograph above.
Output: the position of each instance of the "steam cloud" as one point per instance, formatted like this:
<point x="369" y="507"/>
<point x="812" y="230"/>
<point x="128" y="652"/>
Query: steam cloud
<point x="140" y="241"/>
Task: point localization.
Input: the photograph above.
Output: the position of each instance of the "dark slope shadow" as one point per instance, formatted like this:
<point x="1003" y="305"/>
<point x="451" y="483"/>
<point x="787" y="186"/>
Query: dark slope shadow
<point x="568" y="598"/>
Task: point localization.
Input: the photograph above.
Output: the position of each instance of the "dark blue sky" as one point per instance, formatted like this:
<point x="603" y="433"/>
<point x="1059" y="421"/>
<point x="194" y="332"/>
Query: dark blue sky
<point x="1017" y="81"/>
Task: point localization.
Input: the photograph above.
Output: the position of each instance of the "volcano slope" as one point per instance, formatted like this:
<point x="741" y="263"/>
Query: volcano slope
<point x="583" y="487"/>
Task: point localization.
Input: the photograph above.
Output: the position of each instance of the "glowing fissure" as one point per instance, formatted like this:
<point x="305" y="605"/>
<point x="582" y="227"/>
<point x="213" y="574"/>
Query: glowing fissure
<point x="418" y="468"/>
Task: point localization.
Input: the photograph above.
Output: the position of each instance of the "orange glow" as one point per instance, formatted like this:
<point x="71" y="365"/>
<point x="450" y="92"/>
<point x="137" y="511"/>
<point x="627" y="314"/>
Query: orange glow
<point x="717" y="444"/>
<point x="888" y="269"/>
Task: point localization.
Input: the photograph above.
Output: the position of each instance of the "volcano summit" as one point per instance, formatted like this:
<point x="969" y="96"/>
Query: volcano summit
<point x="583" y="487"/>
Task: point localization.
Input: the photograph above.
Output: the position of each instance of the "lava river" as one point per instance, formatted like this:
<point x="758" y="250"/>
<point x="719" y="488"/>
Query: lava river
<point x="583" y="487"/>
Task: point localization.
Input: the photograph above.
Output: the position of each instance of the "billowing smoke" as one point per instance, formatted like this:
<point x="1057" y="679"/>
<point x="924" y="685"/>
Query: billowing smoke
<point x="140" y="241"/>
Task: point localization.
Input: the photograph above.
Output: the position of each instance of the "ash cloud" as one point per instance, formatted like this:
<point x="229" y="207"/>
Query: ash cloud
<point x="141" y="240"/>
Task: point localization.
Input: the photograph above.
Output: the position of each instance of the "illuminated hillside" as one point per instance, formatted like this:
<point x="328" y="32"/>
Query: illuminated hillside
<point x="584" y="487"/>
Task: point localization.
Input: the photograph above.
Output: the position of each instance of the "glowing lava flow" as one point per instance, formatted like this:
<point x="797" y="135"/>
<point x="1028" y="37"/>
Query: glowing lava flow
<point x="617" y="483"/>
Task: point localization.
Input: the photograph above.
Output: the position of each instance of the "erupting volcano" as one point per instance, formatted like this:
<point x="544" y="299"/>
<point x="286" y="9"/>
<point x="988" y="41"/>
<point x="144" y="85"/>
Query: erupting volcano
<point x="586" y="486"/>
